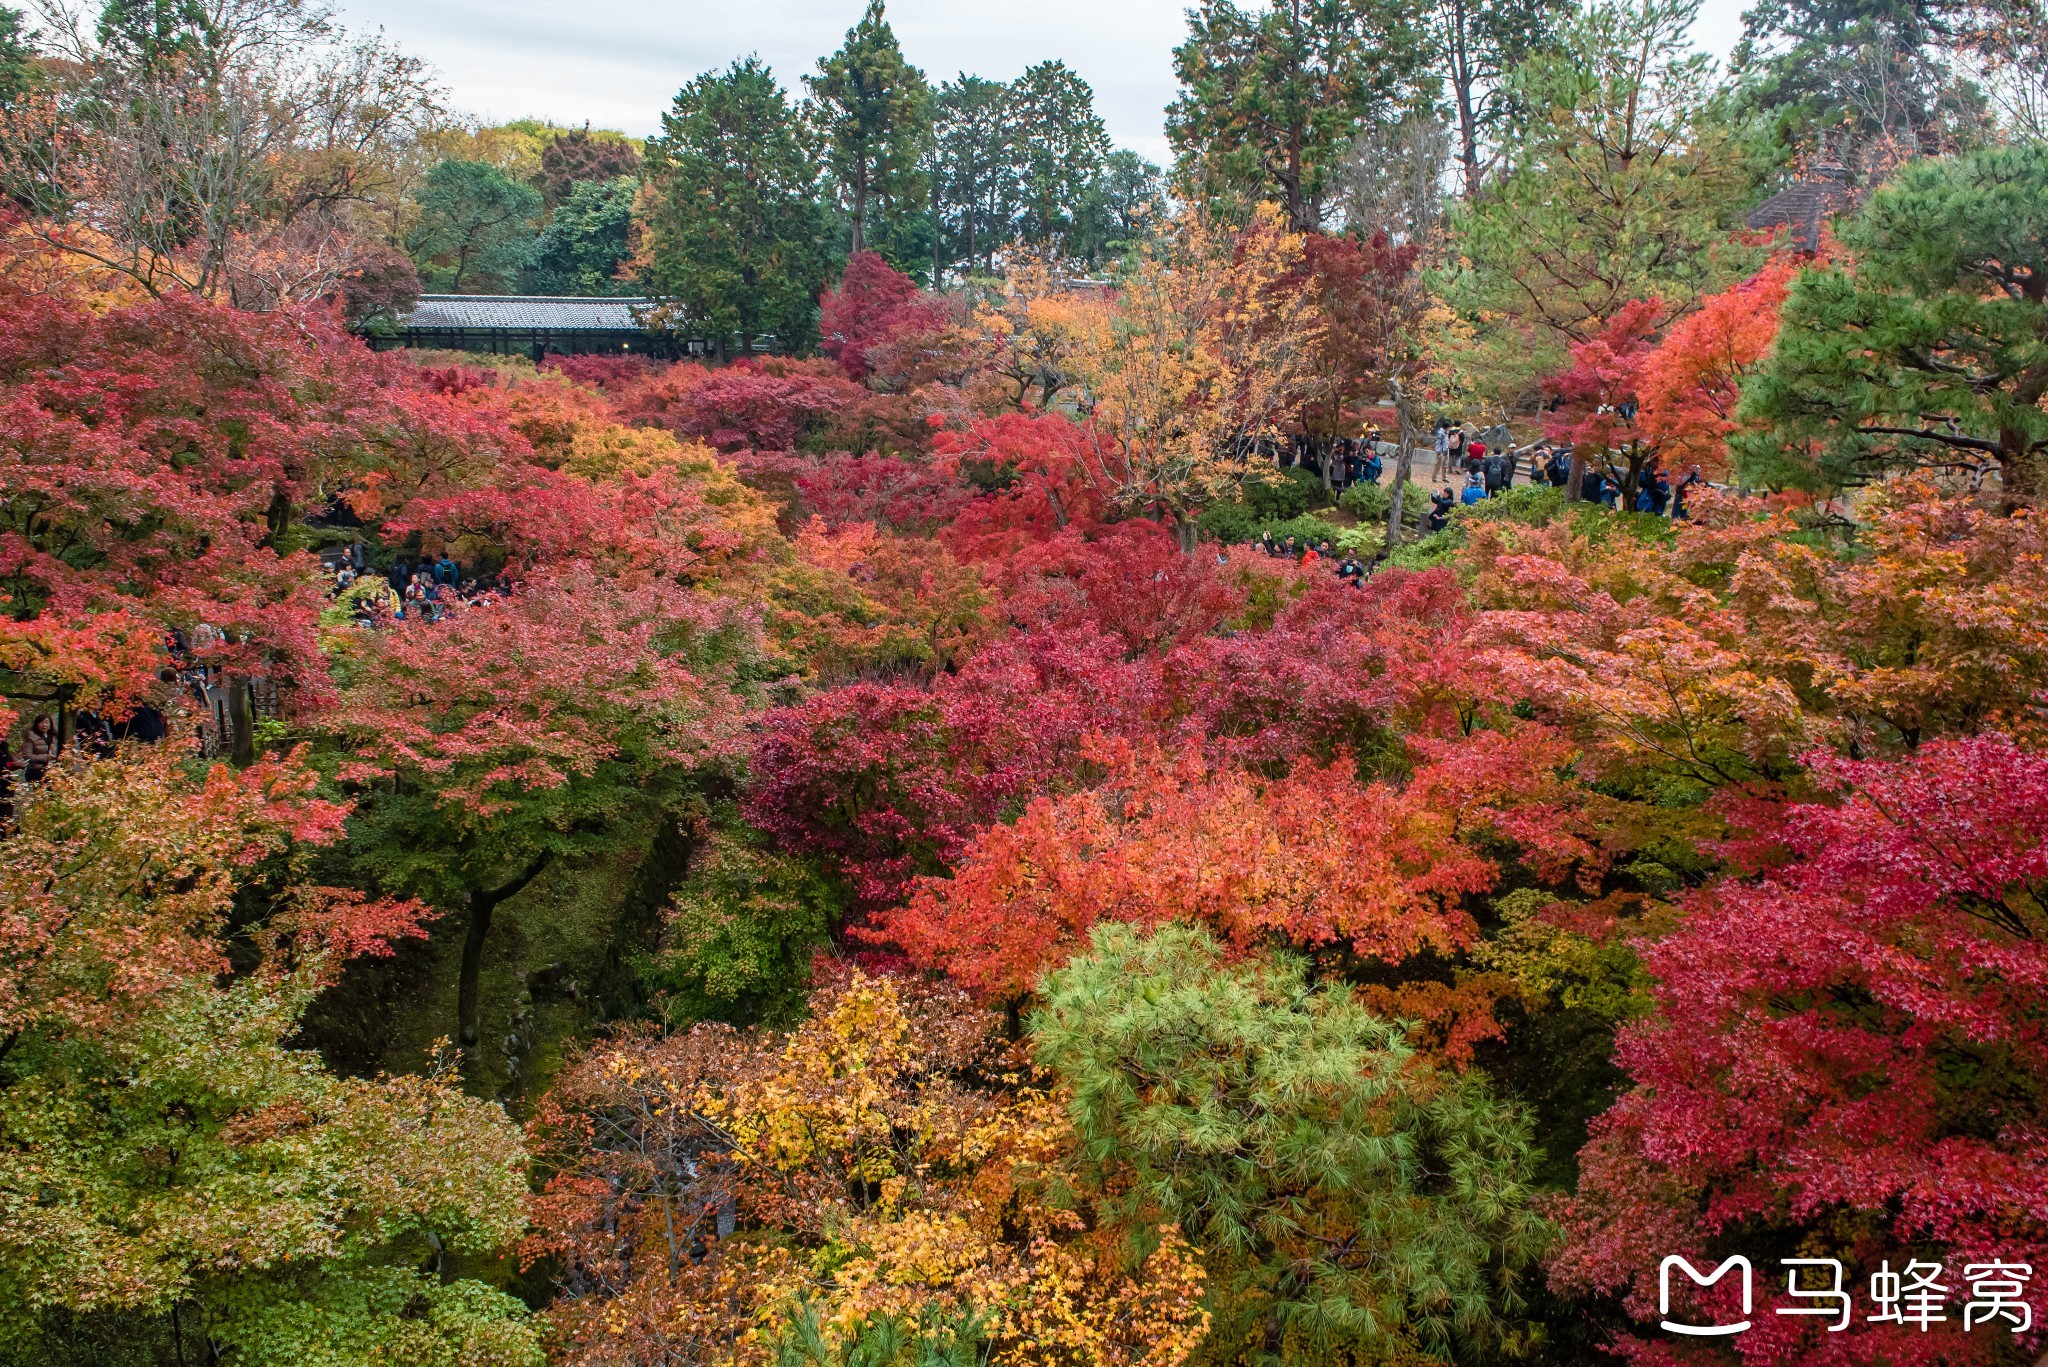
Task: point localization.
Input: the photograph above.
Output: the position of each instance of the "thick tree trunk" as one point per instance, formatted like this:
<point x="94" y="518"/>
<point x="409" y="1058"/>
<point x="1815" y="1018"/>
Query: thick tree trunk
<point x="1468" y="127"/>
<point x="2023" y="479"/>
<point x="1404" y="463"/>
<point x="482" y="906"/>
<point x="860" y="214"/>
<point x="241" y="722"/>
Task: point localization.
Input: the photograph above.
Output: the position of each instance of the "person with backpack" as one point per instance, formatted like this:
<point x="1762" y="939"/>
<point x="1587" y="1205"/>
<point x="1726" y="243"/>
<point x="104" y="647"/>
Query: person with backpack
<point x="1557" y="468"/>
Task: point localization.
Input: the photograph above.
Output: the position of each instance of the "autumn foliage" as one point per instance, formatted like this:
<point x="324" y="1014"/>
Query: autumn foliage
<point x="1844" y="1052"/>
<point x="1010" y="930"/>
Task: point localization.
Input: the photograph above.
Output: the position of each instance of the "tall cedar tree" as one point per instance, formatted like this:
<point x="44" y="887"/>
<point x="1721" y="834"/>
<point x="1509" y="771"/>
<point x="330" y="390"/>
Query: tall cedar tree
<point x="874" y="113"/>
<point x="733" y="234"/>
<point x="1126" y="200"/>
<point x="1271" y="97"/>
<point x="974" y="175"/>
<point x="1933" y="351"/>
<point x="1061" y="145"/>
<point x="17" y="58"/>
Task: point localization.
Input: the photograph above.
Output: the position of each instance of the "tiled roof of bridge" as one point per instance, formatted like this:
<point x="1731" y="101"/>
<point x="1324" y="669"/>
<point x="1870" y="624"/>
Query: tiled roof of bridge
<point x="552" y="312"/>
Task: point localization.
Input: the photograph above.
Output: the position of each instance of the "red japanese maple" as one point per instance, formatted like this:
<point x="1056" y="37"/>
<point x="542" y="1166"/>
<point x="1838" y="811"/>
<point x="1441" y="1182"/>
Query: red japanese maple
<point x="874" y="306"/>
<point x="1690" y="384"/>
<point x="1847" y="1058"/>
<point x="1315" y="858"/>
<point x="1597" y="399"/>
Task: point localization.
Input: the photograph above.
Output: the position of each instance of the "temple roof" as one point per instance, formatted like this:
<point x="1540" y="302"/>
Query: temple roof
<point x="554" y="313"/>
<point x="1806" y="206"/>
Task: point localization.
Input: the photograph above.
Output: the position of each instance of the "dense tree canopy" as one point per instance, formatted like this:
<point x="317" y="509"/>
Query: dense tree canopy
<point x="874" y="114"/>
<point x="473" y="227"/>
<point x="1935" y="348"/>
<point x="1351" y="1199"/>
<point x="988" y="820"/>
<point x="732" y="233"/>
<point x="1271" y="95"/>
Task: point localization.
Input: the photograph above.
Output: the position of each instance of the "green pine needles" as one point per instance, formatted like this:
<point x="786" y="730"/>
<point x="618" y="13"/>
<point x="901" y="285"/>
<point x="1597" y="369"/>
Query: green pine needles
<point x="1356" y="1200"/>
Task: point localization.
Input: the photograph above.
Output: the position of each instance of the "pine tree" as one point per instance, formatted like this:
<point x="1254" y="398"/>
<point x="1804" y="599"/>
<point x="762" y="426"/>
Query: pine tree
<point x="1270" y="99"/>
<point x="1934" y="351"/>
<point x="974" y="175"/>
<point x="1061" y="145"/>
<point x="1621" y="188"/>
<point x="1345" y="1192"/>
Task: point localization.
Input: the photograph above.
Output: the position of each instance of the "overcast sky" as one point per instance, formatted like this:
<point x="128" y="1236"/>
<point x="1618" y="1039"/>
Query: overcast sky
<point x="618" y="63"/>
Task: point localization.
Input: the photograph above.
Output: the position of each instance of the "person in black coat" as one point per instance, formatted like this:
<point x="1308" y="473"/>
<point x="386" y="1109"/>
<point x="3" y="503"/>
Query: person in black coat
<point x="1692" y="477"/>
<point x="1440" y="506"/>
<point x="144" y="724"/>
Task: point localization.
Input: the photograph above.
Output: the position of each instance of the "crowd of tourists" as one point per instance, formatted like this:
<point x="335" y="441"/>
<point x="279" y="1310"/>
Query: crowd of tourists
<point x="89" y="732"/>
<point x="424" y="591"/>
<point x="1472" y="464"/>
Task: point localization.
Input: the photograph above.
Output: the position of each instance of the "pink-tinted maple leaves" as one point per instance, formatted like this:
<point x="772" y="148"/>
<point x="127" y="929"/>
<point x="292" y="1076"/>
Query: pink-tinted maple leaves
<point x="1595" y="400"/>
<point x="1847" y="1054"/>
<point x="154" y="458"/>
<point x="874" y="310"/>
<point x="525" y="691"/>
